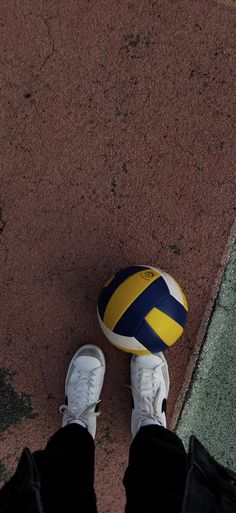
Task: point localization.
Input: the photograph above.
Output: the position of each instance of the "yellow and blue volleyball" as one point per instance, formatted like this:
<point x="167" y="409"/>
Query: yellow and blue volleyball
<point x="142" y="310"/>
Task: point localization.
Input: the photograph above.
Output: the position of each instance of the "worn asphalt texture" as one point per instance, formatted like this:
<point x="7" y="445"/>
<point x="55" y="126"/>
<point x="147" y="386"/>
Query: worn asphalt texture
<point x="116" y="148"/>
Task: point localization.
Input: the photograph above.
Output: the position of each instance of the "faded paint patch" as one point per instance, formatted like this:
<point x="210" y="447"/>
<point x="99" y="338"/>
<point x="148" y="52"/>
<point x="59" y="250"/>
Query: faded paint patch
<point x="13" y="407"/>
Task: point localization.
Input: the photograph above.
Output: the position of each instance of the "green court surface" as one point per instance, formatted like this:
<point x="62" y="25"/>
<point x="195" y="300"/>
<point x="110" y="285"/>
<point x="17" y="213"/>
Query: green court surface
<point x="209" y="411"/>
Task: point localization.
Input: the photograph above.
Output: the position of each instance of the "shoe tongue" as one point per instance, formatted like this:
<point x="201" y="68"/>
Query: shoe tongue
<point x="149" y="362"/>
<point x="87" y="363"/>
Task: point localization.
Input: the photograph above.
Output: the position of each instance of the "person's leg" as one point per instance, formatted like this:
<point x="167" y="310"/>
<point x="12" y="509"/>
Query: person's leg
<point x="66" y="466"/>
<point x="63" y="473"/>
<point x="66" y="471"/>
<point x="155" y="477"/>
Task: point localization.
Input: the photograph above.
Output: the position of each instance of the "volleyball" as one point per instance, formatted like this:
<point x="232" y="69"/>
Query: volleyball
<point x="142" y="310"/>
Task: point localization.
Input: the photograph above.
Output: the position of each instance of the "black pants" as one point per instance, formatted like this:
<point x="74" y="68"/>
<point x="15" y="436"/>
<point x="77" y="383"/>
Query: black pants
<point x="154" y="480"/>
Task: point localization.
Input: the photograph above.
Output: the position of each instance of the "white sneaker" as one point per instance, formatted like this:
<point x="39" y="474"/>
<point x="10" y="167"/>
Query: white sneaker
<point x="150" y="387"/>
<point x="83" y="387"/>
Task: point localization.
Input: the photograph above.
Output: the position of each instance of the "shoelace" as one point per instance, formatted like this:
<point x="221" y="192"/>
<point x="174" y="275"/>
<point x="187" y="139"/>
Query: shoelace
<point x="83" y="378"/>
<point x="148" y="407"/>
<point x="71" y="412"/>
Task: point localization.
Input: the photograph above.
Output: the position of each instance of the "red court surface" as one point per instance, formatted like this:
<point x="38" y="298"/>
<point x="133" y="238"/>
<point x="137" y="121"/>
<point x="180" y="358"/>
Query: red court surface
<point x="117" y="148"/>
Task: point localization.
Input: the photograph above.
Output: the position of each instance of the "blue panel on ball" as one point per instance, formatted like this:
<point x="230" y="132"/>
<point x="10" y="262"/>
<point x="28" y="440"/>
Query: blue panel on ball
<point x="135" y="313"/>
<point x="149" y="339"/>
<point x="171" y="307"/>
<point x="107" y="292"/>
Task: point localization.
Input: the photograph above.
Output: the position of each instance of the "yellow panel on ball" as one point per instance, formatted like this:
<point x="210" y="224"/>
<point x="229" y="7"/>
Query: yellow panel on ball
<point x="166" y="328"/>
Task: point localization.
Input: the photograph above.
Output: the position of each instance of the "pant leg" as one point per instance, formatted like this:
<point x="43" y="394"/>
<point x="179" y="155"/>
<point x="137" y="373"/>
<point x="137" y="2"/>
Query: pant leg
<point x="66" y="470"/>
<point x="155" y="477"/>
